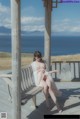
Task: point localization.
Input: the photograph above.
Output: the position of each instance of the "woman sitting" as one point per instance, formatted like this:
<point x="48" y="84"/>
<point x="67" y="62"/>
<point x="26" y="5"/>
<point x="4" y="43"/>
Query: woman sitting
<point x="43" y="78"/>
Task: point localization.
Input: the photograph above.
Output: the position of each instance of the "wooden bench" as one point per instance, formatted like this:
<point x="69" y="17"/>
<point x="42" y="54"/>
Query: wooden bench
<point x="28" y="88"/>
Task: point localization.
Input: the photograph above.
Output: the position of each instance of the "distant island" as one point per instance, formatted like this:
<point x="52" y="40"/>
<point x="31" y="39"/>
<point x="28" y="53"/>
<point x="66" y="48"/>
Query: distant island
<point x="7" y="31"/>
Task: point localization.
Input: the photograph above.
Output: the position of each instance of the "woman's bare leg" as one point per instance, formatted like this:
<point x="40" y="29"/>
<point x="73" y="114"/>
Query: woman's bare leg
<point x="51" y="92"/>
<point x="47" y="83"/>
<point x="45" y="91"/>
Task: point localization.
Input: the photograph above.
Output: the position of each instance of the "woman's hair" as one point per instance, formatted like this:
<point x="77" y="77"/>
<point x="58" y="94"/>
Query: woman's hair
<point x="37" y="54"/>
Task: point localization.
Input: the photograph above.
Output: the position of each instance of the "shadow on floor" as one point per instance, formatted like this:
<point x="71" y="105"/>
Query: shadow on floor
<point x="66" y="94"/>
<point x="72" y="80"/>
<point x="42" y="110"/>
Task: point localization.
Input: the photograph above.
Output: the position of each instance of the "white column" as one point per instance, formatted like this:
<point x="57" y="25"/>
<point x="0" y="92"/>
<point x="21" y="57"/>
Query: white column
<point x="16" y="59"/>
<point x="47" y="35"/>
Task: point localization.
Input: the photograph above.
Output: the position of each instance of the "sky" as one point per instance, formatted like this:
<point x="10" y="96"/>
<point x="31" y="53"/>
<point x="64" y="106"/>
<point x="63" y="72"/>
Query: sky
<point x="65" y="18"/>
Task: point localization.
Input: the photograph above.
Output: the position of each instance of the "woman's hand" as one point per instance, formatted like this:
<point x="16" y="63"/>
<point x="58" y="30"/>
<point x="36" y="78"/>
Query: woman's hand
<point x="56" y="71"/>
<point x="41" y="70"/>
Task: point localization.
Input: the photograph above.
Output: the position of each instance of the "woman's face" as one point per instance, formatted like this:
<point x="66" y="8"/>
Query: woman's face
<point x="38" y="58"/>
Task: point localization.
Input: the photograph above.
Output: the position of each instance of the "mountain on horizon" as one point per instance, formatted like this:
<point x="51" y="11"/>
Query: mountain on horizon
<point x="4" y="30"/>
<point x="7" y="31"/>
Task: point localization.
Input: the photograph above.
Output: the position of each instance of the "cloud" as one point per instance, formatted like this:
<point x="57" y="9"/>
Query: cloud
<point x="75" y="29"/>
<point x="4" y="9"/>
<point x="31" y="20"/>
<point x="5" y="19"/>
<point x="66" y="20"/>
<point x="66" y="25"/>
<point x="32" y="23"/>
<point x="5" y="22"/>
<point x="28" y="23"/>
<point x="33" y="28"/>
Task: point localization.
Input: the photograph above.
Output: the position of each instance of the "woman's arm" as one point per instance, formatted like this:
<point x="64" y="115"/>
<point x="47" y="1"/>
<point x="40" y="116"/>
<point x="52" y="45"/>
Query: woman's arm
<point x="54" y="71"/>
<point x="50" y="72"/>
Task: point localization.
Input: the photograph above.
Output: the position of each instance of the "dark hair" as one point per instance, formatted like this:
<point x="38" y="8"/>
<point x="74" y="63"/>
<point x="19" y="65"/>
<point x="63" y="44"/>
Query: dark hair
<point x="37" y="54"/>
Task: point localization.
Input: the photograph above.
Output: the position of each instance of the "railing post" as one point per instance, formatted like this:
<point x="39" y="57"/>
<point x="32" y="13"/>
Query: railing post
<point x="16" y="59"/>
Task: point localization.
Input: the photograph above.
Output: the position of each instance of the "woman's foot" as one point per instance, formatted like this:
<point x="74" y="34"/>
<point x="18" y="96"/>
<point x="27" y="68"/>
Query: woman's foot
<point x="48" y="108"/>
<point x="60" y="111"/>
<point x="58" y="107"/>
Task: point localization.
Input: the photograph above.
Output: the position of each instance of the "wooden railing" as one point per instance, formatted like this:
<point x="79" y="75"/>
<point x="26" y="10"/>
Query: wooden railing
<point x="74" y="69"/>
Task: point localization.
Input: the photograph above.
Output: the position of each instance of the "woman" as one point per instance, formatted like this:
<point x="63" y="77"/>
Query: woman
<point x="43" y="78"/>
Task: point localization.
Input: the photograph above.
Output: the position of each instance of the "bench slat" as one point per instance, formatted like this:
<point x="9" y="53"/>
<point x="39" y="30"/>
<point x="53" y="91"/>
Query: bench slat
<point x="25" y="85"/>
<point x="31" y="93"/>
<point x="30" y="77"/>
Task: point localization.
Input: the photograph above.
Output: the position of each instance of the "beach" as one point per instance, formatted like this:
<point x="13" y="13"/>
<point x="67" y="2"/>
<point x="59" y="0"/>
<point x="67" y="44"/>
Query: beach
<point x="27" y="58"/>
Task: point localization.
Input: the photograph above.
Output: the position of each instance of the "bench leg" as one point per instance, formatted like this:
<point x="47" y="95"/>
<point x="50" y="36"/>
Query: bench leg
<point x="34" y="101"/>
<point x="10" y="96"/>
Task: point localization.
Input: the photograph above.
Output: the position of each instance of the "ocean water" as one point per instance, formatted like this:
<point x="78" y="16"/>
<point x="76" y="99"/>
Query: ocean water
<point x="60" y="45"/>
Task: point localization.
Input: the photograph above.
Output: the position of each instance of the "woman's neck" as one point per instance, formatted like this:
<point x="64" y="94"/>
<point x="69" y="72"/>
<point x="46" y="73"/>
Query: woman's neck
<point x="38" y="61"/>
<point x="41" y="61"/>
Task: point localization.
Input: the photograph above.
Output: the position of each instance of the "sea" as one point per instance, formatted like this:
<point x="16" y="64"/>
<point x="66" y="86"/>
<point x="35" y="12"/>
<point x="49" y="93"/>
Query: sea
<point x="60" y="45"/>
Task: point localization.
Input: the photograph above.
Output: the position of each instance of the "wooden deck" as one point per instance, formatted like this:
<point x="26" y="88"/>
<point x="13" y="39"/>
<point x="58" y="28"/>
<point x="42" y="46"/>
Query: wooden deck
<point x="5" y="105"/>
<point x="70" y="100"/>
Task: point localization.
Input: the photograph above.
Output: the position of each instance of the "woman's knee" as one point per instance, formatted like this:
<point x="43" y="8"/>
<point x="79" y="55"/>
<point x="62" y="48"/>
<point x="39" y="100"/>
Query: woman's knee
<point x="45" y="89"/>
<point x="49" y="85"/>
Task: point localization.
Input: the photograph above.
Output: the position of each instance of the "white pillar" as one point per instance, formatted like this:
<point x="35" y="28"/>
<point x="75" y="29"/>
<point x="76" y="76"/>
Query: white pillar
<point x="47" y="35"/>
<point x="16" y="59"/>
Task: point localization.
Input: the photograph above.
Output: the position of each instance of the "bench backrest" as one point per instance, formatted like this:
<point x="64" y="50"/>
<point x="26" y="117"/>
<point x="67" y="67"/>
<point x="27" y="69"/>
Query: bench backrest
<point x="27" y="80"/>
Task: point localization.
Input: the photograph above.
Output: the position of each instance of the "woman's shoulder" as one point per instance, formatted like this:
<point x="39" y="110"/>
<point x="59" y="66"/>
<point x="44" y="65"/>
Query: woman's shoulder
<point x="42" y="61"/>
<point x="33" y="63"/>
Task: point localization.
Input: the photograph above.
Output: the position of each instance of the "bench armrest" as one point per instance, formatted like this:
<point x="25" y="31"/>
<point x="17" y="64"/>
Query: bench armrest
<point x="7" y="78"/>
<point x="5" y="75"/>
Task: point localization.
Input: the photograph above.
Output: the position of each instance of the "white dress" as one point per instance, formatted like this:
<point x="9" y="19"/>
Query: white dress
<point x="39" y="82"/>
<point x="35" y="74"/>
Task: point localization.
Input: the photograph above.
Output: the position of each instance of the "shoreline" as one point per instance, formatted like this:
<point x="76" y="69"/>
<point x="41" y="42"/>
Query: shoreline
<point x="27" y="58"/>
<point x="6" y="54"/>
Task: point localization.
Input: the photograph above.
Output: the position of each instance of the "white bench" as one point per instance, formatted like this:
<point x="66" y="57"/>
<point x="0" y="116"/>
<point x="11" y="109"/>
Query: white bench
<point x="28" y="88"/>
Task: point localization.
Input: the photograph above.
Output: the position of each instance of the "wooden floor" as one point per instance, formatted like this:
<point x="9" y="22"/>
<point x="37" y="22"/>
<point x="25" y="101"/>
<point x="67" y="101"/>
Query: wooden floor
<point x="5" y="105"/>
<point x="70" y="100"/>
